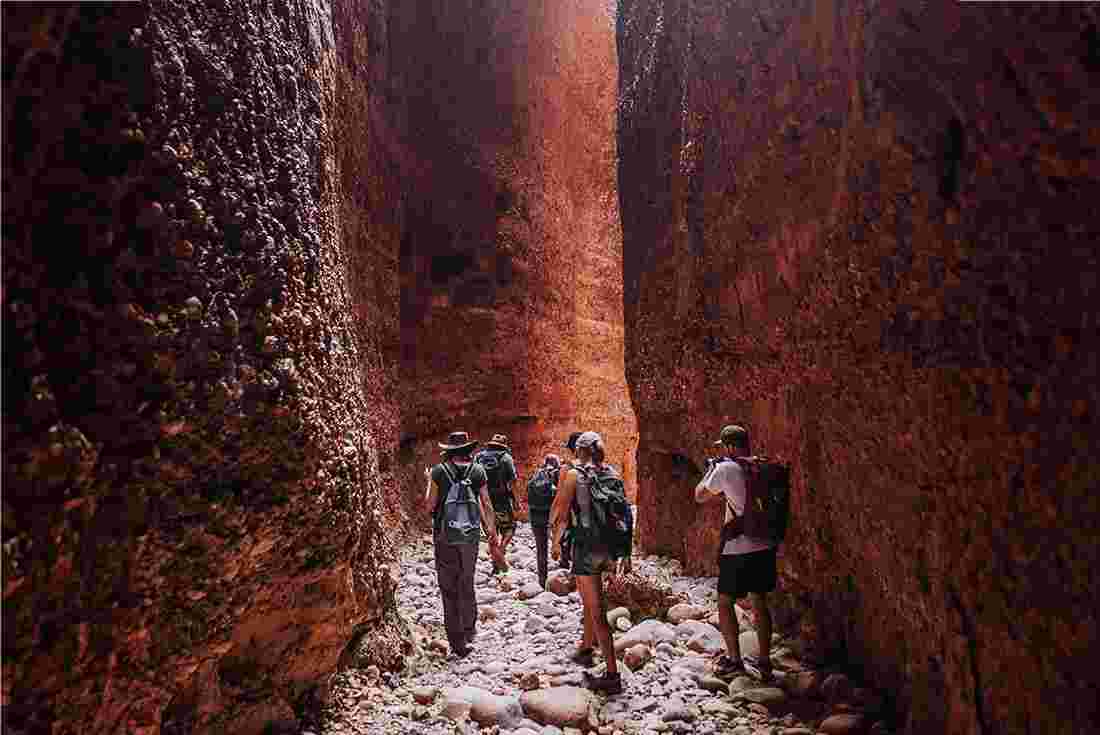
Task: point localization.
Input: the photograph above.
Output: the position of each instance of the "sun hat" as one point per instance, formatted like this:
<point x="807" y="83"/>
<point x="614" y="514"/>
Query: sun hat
<point x="498" y="440"/>
<point x="457" y="440"/>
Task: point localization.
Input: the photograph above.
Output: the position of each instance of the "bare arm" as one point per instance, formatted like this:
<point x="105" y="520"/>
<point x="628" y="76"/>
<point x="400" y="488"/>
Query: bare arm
<point x="559" y="511"/>
<point x="488" y="518"/>
<point x="703" y="492"/>
<point x="431" y="493"/>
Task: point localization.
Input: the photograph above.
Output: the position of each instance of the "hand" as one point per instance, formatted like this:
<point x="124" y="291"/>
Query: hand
<point x="428" y="472"/>
<point x="626" y="565"/>
<point x="555" y="551"/>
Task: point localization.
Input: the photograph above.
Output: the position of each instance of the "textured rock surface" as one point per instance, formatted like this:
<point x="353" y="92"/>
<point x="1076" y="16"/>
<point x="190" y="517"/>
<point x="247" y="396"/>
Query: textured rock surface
<point x="511" y="299"/>
<point x="199" y="326"/>
<point x="866" y="230"/>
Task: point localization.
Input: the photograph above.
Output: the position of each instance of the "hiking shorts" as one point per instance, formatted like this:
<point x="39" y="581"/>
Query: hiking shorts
<point x="590" y="558"/>
<point x="506" y="521"/>
<point x="740" y="574"/>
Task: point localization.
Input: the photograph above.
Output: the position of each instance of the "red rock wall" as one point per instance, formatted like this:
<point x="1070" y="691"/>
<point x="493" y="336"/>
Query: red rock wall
<point x="199" y="333"/>
<point x="867" y="231"/>
<point x="511" y="300"/>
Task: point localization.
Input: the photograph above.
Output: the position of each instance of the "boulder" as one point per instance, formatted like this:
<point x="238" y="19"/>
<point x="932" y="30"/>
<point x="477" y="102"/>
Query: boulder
<point x="487" y="708"/>
<point x="647" y="631"/>
<point x="562" y="706"/>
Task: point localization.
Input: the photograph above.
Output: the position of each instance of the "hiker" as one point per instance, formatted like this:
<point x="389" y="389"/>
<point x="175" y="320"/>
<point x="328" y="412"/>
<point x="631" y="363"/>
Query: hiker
<point x="458" y="499"/>
<point x="746" y="564"/>
<point x="500" y="469"/>
<point x="595" y="550"/>
<point x="541" y="489"/>
<point x="567" y="533"/>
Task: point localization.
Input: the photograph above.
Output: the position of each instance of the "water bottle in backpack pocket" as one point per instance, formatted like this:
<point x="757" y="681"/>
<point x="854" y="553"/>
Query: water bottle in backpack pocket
<point x="460" y="514"/>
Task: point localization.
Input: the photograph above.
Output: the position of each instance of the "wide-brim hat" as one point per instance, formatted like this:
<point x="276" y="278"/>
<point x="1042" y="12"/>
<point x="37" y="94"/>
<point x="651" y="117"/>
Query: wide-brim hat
<point x="498" y="440"/>
<point x="457" y="440"/>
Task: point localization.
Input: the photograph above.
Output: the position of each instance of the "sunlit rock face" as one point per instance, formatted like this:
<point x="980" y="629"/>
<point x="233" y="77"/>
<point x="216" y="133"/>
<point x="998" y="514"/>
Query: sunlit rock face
<point x="867" y="231"/>
<point x="511" y="287"/>
<point x="199" y="326"/>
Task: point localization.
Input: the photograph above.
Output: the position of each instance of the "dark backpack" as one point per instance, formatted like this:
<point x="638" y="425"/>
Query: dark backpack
<point x="458" y="518"/>
<point x="612" y="518"/>
<point x="493" y="462"/>
<point x="767" y="498"/>
<point x="540" y="492"/>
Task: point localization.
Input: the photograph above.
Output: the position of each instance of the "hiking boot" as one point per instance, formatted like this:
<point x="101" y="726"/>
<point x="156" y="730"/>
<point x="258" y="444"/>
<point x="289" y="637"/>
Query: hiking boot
<point x="586" y="657"/>
<point x="606" y="683"/>
<point x="461" y="651"/>
<point x="727" y="667"/>
<point x="763" y="670"/>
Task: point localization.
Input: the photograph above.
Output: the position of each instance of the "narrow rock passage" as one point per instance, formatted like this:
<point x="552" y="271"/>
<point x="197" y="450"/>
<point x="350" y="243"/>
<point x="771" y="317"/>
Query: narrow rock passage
<point x="519" y="680"/>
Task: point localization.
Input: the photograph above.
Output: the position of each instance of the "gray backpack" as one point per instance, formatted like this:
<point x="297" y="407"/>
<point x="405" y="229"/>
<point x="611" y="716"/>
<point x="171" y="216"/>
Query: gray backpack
<point x="459" y="517"/>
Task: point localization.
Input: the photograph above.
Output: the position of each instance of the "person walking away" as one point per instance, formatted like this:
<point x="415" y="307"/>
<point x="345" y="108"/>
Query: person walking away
<point x="541" y="489"/>
<point x="458" y="500"/>
<point x="500" y="469"/>
<point x="565" y="538"/>
<point x="747" y="565"/>
<point x="593" y="493"/>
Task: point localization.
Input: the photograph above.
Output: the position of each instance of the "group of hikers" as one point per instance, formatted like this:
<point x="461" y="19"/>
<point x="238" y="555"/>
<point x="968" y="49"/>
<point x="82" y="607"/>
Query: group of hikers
<point x="580" y="516"/>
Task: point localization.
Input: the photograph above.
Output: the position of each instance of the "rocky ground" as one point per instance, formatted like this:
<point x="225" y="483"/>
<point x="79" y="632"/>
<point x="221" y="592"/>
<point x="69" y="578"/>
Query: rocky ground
<point x="519" y="681"/>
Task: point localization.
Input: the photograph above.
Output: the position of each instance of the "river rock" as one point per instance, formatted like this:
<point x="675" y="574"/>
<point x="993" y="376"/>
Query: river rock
<point x="773" y="698"/>
<point x="561" y="582"/>
<point x="425" y="695"/>
<point x="637" y="656"/>
<point x="846" y="724"/>
<point x="619" y="612"/>
<point x="563" y="706"/>
<point x="487" y="708"/>
<point x="685" y="611"/>
<point x="647" y="631"/>
<point x="529" y="591"/>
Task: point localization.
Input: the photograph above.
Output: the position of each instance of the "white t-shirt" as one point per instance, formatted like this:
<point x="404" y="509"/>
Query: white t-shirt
<point x="730" y="479"/>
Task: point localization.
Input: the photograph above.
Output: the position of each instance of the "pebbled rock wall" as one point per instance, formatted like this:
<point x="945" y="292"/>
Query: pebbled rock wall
<point x="199" y="336"/>
<point x="511" y="289"/>
<point x="867" y="231"/>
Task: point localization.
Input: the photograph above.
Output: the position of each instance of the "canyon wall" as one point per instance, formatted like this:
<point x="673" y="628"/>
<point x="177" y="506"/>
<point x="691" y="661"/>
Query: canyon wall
<point x="867" y="231"/>
<point x="199" y="334"/>
<point x="511" y="289"/>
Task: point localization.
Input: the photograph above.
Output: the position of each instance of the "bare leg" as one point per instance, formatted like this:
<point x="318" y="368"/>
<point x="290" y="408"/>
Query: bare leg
<point x="763" y="625"/>
<point x="591" y="589"/>
<point x="727" y="623"/>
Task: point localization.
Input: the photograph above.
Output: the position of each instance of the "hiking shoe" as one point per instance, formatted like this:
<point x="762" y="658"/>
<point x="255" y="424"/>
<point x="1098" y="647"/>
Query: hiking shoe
<point x="728" y="667"/>
<point x="586" y="657"/>
<point x="461" y="651"/>
<point x="763" y="670"/>
<point x="605" y="683"/>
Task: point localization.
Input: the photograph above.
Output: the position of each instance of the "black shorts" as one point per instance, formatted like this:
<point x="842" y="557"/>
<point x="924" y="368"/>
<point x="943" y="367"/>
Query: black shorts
<point x="739" y="574"/>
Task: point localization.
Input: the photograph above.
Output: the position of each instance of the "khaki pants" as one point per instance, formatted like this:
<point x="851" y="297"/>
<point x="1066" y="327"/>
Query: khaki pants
<point x="454" y="568"/>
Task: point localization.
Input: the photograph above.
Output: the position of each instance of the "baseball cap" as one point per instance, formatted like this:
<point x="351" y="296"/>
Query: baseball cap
<point x="588" y="439"/>
<point x="733" y="434"/>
